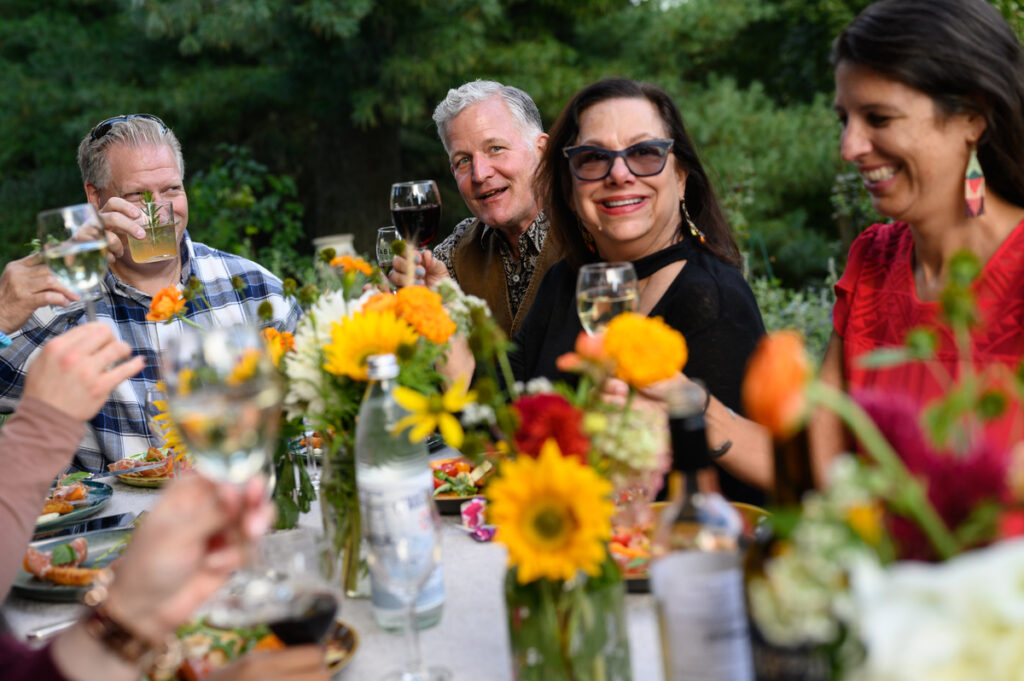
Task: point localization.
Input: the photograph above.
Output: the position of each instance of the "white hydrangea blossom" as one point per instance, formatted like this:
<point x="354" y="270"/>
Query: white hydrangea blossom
<point x="477" y="415"/>
<point x="535" y="386"/>
<point x="635" y="439"/>
<point x="459" y="305"/>
<point x="304" y="367"/>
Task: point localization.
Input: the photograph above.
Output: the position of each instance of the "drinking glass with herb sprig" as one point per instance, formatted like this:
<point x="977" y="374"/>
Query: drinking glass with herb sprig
<point x="160" y="242"/>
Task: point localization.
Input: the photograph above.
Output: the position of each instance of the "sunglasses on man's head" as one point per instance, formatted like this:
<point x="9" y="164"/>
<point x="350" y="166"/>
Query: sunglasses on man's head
<point x="104" y="127"/>
<point x="589" y="163"/>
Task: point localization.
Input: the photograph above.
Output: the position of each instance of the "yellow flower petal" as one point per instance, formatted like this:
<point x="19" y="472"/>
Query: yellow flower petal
<point x="451" y="430"/>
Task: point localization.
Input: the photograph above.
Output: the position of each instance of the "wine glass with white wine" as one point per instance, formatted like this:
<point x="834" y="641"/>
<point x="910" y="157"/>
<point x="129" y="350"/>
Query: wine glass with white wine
<point x="605" y="290"/>
<point x="73" y="244"/>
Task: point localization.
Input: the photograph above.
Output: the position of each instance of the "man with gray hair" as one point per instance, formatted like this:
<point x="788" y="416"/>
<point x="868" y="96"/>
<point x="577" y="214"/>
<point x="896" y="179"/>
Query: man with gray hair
<point x="122" y="159"/>
<point x="494" y="139"/>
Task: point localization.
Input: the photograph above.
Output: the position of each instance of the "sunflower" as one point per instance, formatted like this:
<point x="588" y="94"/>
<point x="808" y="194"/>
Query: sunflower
<point x="356" y="338"/>
<point x="278" y="343"/>
<point x="166" y="304"/>
<point x="427" y="413"/>
<point x="422" y="308"/>
<point x="350" y="263"/>
<point x="553" y="514"/>
<point x="645" y="350"/>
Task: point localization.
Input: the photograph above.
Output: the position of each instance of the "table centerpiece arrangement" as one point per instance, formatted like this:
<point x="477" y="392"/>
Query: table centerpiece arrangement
<point x="906" y="566"/>
<point x="564" y="457"/>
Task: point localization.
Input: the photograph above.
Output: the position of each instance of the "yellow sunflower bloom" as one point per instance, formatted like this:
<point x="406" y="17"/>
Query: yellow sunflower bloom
<point x="430" y="412"/>
<point x="356" y="338"/>
<point x="350" y="263"/>
<point x="553" y="514"/>
<point x="645" y="350"/>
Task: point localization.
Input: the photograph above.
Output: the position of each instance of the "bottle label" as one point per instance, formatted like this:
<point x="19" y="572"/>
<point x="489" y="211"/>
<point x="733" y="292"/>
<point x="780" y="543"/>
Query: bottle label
<point x="699" y="598"/>
<point x="396" y="509"/>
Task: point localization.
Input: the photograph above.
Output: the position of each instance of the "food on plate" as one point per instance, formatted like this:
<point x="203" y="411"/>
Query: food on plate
<point x="631" y="549"/>
<point x="154" y="455"/>
<point x="314" y="441"/>
<point x="62" y="564"/>
<point x="58" y="507"/>
<point x="458" y="477"/>
<point x="68" y="490"/>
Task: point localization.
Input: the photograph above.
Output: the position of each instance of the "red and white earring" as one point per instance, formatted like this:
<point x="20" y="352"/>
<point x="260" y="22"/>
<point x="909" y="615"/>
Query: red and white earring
<point x="974" y="186"/>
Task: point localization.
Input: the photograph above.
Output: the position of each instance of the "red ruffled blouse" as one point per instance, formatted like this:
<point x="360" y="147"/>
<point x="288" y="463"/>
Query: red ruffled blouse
<point x="877" y="304"/>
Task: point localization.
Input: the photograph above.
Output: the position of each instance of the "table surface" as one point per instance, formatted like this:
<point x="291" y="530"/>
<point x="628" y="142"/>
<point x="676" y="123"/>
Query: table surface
<point x="471" y="639"/>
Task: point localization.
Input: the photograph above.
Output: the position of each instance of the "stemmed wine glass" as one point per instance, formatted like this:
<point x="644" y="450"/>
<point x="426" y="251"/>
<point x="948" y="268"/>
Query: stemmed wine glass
<point x="603" y="291"/>
<point x="416" y="210"/>
<point x="73" y="244"/>
<point x="403" y="537"/>
<point x="224" y="397"/>
<point x="386" y="236"/>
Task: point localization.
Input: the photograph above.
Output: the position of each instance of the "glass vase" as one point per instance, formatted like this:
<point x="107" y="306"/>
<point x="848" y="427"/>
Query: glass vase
<point x="339" y="506"/>
<point x="571" y="630"/>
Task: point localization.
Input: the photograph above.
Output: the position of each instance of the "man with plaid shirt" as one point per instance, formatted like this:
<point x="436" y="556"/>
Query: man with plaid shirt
<point x="120" y="159"/>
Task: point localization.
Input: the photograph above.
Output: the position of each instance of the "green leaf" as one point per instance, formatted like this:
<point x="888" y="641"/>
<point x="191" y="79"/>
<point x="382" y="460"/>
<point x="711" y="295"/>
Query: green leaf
<point x="72" y="478"/>
<point x="885" y="358"/>
<point x="63" y="555"/>
<point x="991" y="405"/>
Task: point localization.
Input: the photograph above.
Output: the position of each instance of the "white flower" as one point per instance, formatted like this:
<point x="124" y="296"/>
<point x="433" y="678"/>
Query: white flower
<point x="459" y="305"/>
<point x="307" y="380"/>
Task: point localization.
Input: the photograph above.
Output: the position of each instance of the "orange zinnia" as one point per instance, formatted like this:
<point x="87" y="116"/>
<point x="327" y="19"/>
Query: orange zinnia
<point x="278" y="343"/>
<point x="775" y="386"/>
<point x="166" y="303"/>
<point x="381" y="302"/>
<point x="349" y="263"/>
<point x="645" y="350"/>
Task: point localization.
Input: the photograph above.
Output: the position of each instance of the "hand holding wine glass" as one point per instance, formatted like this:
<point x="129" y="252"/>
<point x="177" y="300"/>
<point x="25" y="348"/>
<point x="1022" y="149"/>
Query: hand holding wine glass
<point x="73" y="244"/>
<point x="603" y="291"/>
<point x="403" y="536"/>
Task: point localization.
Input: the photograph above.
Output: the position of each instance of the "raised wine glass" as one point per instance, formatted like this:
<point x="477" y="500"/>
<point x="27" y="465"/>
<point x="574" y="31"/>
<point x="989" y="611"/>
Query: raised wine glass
<point x="603" y="291"/>
<point x="403" y="537"/>
<point x="224" y="396"/>
<point x="416" y="210"/>
<point x="386" y="236"/>
<point x="73" y="244"/>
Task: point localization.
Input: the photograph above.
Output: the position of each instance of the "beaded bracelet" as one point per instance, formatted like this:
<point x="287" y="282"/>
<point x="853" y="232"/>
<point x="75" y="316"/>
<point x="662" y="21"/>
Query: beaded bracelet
<point x="720" y="450"/>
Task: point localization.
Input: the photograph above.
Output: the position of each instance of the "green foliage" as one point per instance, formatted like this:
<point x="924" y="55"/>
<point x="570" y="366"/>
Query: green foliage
<point x="807" y="310"/>
<point x="240" y="207"/>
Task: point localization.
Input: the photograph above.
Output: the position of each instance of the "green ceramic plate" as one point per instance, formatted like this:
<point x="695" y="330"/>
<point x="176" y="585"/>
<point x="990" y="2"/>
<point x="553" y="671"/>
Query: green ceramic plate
<point x="27" y="586"/>
<point x="99" y="496"/>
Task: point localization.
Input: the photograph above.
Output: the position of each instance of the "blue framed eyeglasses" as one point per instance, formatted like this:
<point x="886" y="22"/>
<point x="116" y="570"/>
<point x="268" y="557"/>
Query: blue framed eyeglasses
<point x="589" y="163"/>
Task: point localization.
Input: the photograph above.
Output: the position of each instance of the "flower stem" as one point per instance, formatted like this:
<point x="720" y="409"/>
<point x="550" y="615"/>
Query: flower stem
<point x="878" y="448"/>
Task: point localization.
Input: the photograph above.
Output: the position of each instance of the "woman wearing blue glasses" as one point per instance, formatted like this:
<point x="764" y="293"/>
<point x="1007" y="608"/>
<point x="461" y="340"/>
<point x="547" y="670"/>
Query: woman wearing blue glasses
<point x="622" y="182"/>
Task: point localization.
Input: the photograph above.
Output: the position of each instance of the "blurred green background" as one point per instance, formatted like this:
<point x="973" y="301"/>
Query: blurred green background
<point x="296" y="116"/>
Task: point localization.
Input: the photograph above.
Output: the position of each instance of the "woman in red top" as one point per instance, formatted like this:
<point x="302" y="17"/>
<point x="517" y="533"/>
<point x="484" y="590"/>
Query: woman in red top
<point x="921" y="86"/>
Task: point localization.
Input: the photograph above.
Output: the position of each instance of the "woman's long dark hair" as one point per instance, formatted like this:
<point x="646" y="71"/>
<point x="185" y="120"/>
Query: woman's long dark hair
<point x="963" y="55"/>
<point x="554" y="181"/>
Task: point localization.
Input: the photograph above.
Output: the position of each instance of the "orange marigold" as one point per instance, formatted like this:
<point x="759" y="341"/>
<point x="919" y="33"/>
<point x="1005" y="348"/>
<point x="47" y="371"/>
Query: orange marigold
<point x="775" y="385"/>
<point x="278" y="343"/>
<point x="381" y="302"/>
<point x="422" y="308"/>
<point x="165" y="304"/>
<point x="645" y="350"/>
<point x="350" y="263"/>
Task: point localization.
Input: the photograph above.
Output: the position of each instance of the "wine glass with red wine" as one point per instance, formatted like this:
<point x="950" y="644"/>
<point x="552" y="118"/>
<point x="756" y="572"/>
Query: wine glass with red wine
<point x="301" y="602"/>
<point x="416" y="210"/>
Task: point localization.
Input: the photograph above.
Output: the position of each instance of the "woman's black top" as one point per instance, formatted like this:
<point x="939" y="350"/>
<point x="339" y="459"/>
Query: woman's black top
<point x="708" y="302"/>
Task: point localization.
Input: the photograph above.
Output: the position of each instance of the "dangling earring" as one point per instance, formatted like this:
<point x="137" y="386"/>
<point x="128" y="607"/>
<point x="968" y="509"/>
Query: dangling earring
<point x="974" y="186"/>
<point x="588" y="238"/>
<point x="697" y="234"/>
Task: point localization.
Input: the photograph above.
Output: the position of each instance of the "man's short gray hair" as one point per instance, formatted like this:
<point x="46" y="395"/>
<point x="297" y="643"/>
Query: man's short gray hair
<point x="133" y="132"/>
<point x="519" y="104"/>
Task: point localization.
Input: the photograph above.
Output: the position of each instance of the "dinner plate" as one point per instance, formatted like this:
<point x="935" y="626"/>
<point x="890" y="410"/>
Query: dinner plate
<point x="138" y="480"/>
<point x="28" y="586"/>
<point x="751" y="515"/>
<point x="98" y="497"/>
<point x="450" y="504"/>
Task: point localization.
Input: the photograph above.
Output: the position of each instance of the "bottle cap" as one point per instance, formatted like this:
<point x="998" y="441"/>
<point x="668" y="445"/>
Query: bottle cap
<point x="381" y="367"/>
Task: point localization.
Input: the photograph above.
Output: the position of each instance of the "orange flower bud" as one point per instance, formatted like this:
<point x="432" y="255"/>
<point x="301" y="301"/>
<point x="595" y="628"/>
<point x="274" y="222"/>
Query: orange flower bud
<point x="165" y="304"/>
<point x="774" y="388"/>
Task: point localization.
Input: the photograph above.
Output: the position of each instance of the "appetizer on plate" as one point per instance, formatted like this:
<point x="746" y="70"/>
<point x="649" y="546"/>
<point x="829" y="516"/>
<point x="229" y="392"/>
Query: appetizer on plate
<point x="62" y="565"/>
<point x="61" y="499"/>
<point x="458" y="477"/>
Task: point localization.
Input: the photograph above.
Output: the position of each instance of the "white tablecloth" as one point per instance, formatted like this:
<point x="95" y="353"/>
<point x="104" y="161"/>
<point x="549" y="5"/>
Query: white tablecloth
<point x="471" y="639"/>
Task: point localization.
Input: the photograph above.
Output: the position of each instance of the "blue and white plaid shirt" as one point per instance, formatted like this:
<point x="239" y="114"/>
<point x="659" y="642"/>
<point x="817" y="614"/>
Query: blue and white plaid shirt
<point x="120" y="429"/>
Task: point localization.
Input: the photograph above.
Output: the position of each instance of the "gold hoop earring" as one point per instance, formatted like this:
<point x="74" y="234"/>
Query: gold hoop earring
<point x="697" y="234"/>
